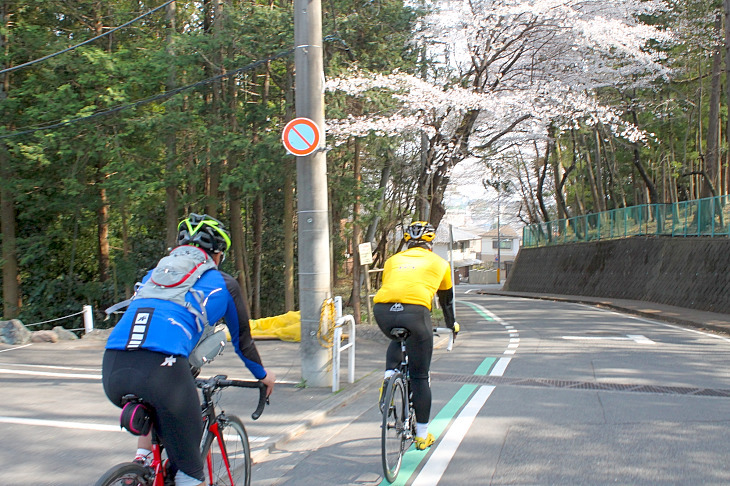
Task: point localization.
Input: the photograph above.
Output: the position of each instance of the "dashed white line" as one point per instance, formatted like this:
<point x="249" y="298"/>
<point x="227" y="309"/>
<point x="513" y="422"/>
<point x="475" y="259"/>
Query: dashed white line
<point x="500" y="367"/>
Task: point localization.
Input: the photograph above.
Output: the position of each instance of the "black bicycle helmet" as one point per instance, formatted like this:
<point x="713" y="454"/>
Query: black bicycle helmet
<point x="205" y="232"/>
<point x="419" y="231"/>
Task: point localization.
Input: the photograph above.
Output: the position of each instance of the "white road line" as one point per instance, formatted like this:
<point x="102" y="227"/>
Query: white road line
<point x="438" y="462"/>
<point x="60" y="424"/>
<point x="17" y="347"/>
<point x="657" y="322"/>
<point x="87" y="426"/>
<point x="500" y="367"/>
<point x="50" y="374"/>
<point x="640" y="339"/>
<point x="637" y="338"/>
<point x="55" y="367"/>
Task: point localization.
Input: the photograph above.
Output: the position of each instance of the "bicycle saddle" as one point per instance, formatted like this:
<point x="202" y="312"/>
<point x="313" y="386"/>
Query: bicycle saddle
<point x="400" y="333"/>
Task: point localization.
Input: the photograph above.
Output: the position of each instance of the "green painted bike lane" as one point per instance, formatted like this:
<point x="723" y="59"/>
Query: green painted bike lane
<point x="413" y="457"/>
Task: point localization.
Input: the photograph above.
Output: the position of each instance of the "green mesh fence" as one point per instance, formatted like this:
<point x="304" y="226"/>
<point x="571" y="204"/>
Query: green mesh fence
<point x="701" y="217"/>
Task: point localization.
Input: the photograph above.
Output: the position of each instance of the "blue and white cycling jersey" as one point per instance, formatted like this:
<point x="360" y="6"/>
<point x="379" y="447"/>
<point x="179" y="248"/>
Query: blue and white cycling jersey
<point x="169" y="328"/>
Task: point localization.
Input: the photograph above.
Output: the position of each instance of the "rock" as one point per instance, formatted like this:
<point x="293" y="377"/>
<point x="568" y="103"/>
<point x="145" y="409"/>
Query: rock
<point x="64" y="334"/>
<point x="44" y="337"/>
<point x="14" y="332"/>
<point x="97" y="334"/>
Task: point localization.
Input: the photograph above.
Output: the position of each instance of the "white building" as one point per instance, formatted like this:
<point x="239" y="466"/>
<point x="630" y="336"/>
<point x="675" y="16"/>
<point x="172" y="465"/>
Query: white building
<point x="463" y="253"/>
<point x="509" y="245"/>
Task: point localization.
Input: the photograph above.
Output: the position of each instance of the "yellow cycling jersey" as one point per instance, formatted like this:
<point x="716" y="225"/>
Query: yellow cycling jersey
<point x="413" y="276"/>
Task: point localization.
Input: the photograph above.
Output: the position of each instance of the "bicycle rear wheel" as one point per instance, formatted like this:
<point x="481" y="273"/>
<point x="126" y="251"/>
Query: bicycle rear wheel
<point x="235" y="449"/>
<point x="393" y="433"/>
<point x="127" y="474"/>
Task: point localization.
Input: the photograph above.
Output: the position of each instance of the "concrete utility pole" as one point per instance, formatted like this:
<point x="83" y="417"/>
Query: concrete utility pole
<point x="314" y="259"/>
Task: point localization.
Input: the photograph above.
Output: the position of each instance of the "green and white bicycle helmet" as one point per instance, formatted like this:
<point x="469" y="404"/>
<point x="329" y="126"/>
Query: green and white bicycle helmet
<point x="204" y="232"/>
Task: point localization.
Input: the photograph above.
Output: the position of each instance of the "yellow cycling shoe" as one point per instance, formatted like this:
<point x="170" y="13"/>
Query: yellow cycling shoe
<point x="423" y="444"/>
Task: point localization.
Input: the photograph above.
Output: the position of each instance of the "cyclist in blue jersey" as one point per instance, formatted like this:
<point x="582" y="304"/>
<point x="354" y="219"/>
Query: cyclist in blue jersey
<point x="147" y="351"/>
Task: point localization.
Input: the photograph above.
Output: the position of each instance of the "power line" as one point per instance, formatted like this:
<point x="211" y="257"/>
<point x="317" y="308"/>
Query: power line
<point x="30" y="63"/>
<point x="161" y="96"/>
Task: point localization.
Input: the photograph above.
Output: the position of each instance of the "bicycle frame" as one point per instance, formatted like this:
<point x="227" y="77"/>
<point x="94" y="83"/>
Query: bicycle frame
<point x="215" y="430"/>
<point x="212" y="432"/>
<point x="211" y="427"/>
<point x="403" y="368"/>
<point x="406" y="429"/>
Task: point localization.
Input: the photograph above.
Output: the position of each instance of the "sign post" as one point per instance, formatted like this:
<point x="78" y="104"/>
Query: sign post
<point x="366" y="259"/>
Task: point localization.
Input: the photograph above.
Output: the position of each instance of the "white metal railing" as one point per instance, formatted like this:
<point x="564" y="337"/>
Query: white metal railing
<point x="338" y="348"/>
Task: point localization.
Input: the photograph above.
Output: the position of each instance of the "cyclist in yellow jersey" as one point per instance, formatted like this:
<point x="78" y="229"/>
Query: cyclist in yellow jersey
<point x="411" y="279"/>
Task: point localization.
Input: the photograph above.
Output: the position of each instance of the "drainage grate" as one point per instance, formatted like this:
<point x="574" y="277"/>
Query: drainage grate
<point x="579" y="385"/>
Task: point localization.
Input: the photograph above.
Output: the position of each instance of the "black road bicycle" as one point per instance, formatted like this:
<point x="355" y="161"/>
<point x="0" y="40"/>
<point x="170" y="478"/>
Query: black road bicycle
<point x="398" y="430"/>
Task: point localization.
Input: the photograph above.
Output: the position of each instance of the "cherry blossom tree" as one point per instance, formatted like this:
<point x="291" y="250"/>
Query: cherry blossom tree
<point x="501" y="74"/>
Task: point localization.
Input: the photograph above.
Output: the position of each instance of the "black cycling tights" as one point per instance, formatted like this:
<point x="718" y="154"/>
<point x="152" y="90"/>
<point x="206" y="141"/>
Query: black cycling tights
<point x="165" y="382"/>
<point x="419" y="346"/>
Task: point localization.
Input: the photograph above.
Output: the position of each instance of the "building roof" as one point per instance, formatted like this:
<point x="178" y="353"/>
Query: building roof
<point x="442" y="234"/>
<point x="506" y="231"/>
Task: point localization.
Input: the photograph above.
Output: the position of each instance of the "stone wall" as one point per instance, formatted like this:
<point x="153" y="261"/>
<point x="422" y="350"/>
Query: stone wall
<point x="685" y="272"/>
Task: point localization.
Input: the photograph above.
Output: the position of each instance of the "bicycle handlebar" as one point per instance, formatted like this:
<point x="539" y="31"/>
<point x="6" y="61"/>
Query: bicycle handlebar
<point x="437" y="330"/>
<point x="220" y="381"/>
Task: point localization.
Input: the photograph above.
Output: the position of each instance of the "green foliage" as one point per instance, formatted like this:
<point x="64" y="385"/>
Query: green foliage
<point x="125" y="162"/>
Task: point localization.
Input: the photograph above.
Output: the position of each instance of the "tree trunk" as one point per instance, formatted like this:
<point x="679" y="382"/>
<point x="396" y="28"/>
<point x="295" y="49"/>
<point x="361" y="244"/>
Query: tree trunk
<point x="653" y="194"/>
<point x="289" y="302"/>
<point x="238" y="240"/>
<point x="11" y="273"/>
<point x="542" y="174"/>
<point x="713" y="120"/>
<point x="289" y="212"/>
<point x="601" y="203"/>
<point x="102" y="221"/>
<point x="171" y="210"/>
<point x="258" y="228"/>
<point x="423" y="206"/>
<point x="356" y="267"/>
<point x="726" y="7"/>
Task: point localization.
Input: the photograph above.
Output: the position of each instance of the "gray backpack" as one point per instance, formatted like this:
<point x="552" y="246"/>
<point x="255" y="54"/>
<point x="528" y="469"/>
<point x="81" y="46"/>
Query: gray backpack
<point x="175" y="275"/>
<point x="172" y="279"/>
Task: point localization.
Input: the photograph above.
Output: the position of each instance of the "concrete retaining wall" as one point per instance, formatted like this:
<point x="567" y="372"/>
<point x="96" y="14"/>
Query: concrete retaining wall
<point x="685" y="272"/>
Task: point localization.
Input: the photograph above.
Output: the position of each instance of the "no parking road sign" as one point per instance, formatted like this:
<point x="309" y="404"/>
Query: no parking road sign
<point x="301" y="136"/>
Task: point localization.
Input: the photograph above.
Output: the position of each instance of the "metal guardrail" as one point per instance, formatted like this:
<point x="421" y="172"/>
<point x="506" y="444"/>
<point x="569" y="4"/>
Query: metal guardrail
<point x="338" y="348"/>
<point x="699" y="217"/>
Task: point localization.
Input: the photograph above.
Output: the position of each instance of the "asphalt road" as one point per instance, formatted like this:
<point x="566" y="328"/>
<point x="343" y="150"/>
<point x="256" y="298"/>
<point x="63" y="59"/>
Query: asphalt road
<point x="534" y="392"/>
<point x="540" y="392"/>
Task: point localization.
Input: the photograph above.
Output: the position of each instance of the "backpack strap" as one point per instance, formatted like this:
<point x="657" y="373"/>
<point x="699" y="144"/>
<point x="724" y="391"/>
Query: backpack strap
<point x="119" y="305"/>
<point x="201" y="316"/>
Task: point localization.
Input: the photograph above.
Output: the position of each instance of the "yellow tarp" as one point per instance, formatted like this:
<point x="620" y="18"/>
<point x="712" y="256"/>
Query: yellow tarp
<point x="286" y="327"/>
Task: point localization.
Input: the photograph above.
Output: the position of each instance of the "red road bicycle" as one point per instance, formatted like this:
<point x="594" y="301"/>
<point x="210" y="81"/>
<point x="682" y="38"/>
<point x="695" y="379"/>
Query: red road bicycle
<point x="224" y="447"/>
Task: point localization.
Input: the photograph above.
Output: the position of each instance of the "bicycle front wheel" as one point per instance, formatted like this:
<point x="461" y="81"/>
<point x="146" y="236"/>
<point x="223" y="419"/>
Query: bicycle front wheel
<point x="229" y="461"/>
<point x="127" y="474"/>
<point x="393" y="433"/>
